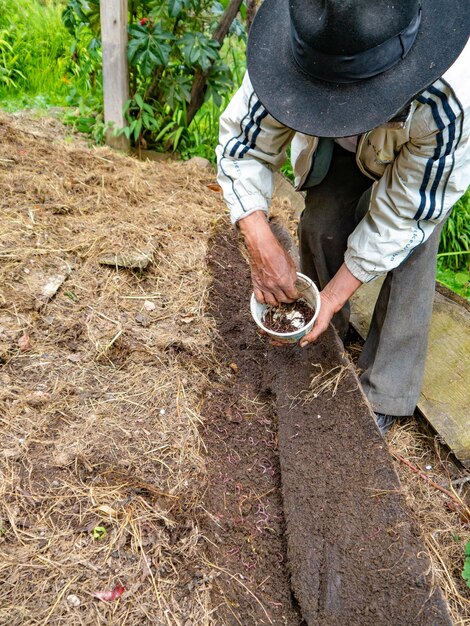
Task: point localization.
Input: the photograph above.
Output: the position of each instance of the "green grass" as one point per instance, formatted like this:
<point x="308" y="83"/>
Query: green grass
<point x="456" y="281"/>
<point x="34" y="54"/>
<point x="453" y="261"/>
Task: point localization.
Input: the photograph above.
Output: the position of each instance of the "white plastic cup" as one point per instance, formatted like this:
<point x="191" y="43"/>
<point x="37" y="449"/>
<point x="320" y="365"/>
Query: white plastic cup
<point x="309" y="293"/>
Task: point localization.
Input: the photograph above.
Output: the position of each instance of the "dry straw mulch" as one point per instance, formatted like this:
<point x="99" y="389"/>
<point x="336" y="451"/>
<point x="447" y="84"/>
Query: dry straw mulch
<point x="101" y="464"/>
<point x="445" y="522"/>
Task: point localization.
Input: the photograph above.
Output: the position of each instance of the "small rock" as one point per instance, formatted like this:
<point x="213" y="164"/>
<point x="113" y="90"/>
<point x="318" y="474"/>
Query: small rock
<point x="149" y="306"/>
<point x="187" y="319"/>
<point x="131" y="260"/>
<point x="24" y="343"/>
<point x="142" y="319"/>
<point x="73" y="600"/>
<point x="75" y="358"/>
<point x="62" y="459"/>
<point x="199" y="163"/>
<point x="37" y="398"/>
<point x="11" y="453"/>
<point x="52" y="285"/>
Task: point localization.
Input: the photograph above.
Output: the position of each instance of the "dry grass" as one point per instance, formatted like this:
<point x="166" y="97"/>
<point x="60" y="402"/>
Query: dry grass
<point x="323" y="383"/>
<point x="100" y="390"/>
<point x="445" y="527"/>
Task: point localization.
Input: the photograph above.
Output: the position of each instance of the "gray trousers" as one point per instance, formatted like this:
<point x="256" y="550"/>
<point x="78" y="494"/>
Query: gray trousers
<point x="393" y="357"/>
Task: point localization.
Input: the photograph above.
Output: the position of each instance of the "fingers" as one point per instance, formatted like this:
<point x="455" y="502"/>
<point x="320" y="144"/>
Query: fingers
<point x="274" y="298"/>
<point x="291" y="292"/>
<point x="273" y="294"/>
<point x="312" y="336"/>
<point x="259" y="295"/>
<point x="327" y="310"/>
<point x="320" y="326"/>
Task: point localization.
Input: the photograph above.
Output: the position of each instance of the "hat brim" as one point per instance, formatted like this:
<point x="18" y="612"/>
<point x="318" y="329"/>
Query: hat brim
<point x="325" y="109"/>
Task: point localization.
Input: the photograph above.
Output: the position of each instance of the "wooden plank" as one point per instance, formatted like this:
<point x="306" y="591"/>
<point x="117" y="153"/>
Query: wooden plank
<point x="115" y="69"/>
<point x="445" y="396"/>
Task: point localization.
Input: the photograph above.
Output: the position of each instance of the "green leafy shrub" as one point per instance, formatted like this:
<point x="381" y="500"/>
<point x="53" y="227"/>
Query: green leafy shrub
<point x="171" y="46"/>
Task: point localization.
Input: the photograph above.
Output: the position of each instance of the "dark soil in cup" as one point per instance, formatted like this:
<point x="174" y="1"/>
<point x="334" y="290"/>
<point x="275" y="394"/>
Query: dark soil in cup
<point x="288" y="318"/>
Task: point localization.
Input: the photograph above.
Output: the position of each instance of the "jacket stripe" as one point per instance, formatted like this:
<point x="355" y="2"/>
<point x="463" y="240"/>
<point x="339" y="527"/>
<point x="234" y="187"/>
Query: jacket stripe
<point x="242" y="120"/>
<point x="436" y="157"/>
<point x="252" y="123"/>
<point x="461" y="118"/>
<point x="248" y="127"/>
<point x="257" y="131"/>
<point x="452" y="117"/>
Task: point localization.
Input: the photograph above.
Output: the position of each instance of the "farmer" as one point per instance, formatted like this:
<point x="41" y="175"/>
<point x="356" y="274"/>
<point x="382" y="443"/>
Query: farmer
<point x="374" y="98"/>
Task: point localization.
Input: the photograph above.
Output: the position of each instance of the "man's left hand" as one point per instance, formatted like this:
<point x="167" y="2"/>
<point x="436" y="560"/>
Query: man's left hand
<point x="327" y="310"/>
<point x="333" y="297"/>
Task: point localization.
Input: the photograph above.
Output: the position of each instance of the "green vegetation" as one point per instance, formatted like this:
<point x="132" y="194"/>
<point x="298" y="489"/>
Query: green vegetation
<point x="453" y="269"/>
<point x="180" y="78"/>
<point x="466" y="567"/>
<point x="34" y="54"/>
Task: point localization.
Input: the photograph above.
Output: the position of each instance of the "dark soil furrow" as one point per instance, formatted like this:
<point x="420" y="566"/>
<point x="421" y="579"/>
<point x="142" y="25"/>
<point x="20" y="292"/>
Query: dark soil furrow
<point x="245" y="525"/>
<point x="354" y="552"/>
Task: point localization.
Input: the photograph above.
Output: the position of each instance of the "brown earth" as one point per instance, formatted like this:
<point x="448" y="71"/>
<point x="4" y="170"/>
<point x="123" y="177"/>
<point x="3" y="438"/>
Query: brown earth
<point x="245" y="524"/>
<point x="102" y="374"/>
<point x="355" y="555"/>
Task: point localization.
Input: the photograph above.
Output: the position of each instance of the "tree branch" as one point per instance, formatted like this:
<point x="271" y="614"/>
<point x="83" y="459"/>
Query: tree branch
<point x="200" y="77"/>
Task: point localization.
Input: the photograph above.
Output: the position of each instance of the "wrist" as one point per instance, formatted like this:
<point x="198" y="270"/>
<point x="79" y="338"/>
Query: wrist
<point x="253" y="222"/>
<point x="340" y="288"/>
<point x="256" y="231"/>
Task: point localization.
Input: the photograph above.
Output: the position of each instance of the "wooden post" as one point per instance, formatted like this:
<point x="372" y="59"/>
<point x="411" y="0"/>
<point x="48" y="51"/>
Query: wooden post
<point x="115" y="70"/>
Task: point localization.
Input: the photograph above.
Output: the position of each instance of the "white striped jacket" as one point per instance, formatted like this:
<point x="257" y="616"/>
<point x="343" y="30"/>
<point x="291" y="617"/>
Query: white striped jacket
<point x="419" y="171"/>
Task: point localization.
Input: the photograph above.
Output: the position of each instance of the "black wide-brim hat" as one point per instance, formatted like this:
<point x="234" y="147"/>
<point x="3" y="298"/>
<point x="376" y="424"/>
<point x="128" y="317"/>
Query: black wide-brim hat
<point x="279" y="61"/>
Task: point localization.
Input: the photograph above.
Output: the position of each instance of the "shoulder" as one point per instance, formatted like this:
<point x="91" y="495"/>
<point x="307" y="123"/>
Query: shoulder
<point x="457" y="79"/>
<point x="444" y="106"/>
<point x="445" y="103"/>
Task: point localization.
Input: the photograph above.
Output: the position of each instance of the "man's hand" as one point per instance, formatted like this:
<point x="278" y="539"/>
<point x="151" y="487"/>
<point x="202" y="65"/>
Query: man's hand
<point x="273" y="271"/>
<point x="333" y="297"/>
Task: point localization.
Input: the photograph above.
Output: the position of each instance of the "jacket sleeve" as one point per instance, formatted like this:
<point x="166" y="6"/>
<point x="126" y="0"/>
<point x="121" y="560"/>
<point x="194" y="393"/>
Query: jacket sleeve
<point x="252" y="145"/>
<point x="417" y="190"/>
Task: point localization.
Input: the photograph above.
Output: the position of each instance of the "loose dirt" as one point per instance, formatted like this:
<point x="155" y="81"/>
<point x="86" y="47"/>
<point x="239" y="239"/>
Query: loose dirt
<point x="354" y="552"/>
<point x="288" y="318"/>
<point x="245" y="527"/>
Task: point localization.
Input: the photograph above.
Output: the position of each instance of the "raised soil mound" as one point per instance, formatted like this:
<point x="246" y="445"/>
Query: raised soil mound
<point x="354" y="552"/>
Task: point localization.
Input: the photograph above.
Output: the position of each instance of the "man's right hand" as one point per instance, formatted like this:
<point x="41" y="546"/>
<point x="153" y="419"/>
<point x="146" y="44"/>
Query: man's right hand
<point x="273" y="271"/>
